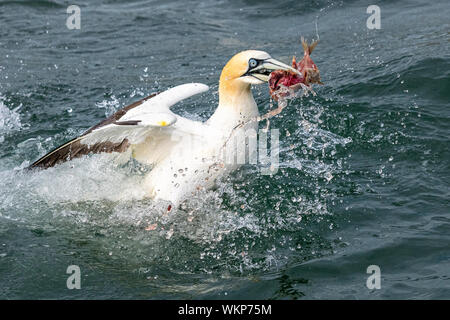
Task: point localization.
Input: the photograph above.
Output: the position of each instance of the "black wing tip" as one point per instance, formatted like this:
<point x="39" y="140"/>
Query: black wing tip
<point x="52" y="158"/>
<point x="34" y="166"/>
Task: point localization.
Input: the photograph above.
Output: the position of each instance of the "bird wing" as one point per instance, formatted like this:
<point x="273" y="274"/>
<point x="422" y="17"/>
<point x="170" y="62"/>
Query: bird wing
<point x="132" y="125"/>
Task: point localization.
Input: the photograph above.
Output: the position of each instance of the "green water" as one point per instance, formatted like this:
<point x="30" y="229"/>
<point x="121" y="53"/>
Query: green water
<point x="364" y="165"/>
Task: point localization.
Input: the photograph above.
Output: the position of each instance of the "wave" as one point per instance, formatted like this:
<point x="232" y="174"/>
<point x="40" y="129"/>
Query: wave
<point x="34" y="4"/>
<point x="428" y="77"/>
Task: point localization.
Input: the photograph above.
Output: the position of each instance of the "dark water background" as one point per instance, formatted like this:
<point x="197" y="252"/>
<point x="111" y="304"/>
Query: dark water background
<point x="364" y="177"/>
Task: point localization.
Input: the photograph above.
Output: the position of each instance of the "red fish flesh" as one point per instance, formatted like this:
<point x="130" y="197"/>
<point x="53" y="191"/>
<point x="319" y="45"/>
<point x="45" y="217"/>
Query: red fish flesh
<point x="309" y="72"/>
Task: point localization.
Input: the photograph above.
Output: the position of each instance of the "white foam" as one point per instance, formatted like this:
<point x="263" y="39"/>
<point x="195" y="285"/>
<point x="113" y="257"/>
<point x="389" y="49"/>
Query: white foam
<point x="9" y="119"/>
<point x="110" y="106"/>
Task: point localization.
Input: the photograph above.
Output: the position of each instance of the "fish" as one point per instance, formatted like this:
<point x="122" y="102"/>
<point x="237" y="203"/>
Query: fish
<point x="309" y="73"/>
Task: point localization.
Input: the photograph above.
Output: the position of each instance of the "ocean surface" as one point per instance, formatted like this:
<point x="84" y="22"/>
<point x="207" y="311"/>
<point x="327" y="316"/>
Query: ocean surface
<point x="364" y="165"/>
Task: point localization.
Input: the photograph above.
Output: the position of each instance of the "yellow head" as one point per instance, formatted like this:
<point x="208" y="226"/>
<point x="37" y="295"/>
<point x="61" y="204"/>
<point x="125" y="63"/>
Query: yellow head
<point x="244" y="69"/>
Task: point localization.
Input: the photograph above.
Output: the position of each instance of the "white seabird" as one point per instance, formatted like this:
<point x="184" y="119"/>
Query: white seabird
<point x="185" y="155"/>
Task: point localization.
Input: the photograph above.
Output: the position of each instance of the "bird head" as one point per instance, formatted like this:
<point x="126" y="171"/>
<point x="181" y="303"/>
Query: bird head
<point x="251" y="67"/>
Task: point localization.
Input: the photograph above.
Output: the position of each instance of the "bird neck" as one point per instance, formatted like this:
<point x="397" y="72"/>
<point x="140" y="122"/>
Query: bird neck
<point x="236" y="103"/>
<point x="233" y="93"/>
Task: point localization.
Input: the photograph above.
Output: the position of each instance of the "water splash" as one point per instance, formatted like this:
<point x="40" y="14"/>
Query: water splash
<point x="9" y="119"/>
<point x="110" y="106"/>
<point x="249" y="223"/>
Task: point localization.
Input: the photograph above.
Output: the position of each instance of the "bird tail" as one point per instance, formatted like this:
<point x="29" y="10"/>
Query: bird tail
<point x="308" y="48"/>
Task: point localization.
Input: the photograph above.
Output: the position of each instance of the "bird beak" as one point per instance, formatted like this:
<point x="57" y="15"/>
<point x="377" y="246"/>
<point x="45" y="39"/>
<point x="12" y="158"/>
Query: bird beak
<point x="263" y="71"/>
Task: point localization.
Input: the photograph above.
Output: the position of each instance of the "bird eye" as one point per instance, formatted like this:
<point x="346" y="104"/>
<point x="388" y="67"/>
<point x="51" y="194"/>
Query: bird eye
<point x="252" y="63"/>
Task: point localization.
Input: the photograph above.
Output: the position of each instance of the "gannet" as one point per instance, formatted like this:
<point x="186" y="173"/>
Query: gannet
<point x="184" y="154"/>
